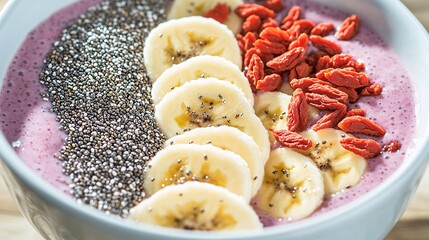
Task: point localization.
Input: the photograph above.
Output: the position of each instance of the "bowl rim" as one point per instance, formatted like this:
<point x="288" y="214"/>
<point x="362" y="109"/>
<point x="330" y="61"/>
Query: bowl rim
<point x="49" y="193"/>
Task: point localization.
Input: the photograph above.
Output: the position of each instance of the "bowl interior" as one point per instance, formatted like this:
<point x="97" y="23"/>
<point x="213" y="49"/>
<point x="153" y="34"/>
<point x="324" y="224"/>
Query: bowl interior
<point x="390" y="19"/>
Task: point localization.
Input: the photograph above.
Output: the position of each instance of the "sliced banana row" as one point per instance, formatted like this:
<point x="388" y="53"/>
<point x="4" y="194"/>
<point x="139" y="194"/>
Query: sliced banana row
<point x="218" y="146"/>
<point x="196" y="206"/>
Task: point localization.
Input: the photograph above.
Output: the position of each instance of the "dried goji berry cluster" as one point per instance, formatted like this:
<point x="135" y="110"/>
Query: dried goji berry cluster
<point x="326" y="78"/>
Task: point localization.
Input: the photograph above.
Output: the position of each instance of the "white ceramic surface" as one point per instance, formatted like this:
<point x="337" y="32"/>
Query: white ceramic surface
<point x="370" y="217"/>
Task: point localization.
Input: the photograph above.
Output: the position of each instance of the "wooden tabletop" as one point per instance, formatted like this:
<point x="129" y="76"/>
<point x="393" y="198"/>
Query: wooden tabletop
<point x="414" y="224"/>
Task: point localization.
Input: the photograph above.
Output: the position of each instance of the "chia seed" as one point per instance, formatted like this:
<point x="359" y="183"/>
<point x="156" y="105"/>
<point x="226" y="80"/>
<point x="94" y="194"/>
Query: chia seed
<point x="97" y="84"/>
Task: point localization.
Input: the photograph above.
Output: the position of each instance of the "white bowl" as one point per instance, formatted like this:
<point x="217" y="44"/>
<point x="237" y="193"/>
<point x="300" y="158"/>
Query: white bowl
<point x="371" y="216"/>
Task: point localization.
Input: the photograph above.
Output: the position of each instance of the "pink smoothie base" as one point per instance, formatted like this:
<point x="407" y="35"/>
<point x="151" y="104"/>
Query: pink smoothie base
<point x="26" y="120"/>
<point x="31" y="128"/>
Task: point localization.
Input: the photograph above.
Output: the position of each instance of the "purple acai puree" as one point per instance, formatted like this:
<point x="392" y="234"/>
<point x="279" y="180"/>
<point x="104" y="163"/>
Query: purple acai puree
<point x="25" y="118"/>
<point x="33" y="130"/>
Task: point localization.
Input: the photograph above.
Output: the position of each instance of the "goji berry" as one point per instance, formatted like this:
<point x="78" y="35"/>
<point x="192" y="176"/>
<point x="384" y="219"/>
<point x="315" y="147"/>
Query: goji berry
<point x="301" y="41"/>
<point x="219" y="13"/>
<point x="245" y="10"/>
<point x="371" y="90"/>
<point x="275" y="5"/>
<point x="255" y="70"/>
<point x="252" y="24"/>
<point x="266" y="46"/>
<point x="325" y="45"/>
<point x="287" y="60"/>
<point x="293" y="15"/>
<point x="330" y="120"/>
<point x="297" y="112"/>
<point x="323" y="63"/>
<point x="314" y="57"/>
<point x="324" y="102"/>
<point x="286" y="25"/>
<point x="351" y="92"/>
<point x="266" y="57"/>
<point x="323" y="29"/>
<point x="340" y="60"/>
<point x="249" y="39"/>
<point x="275" y="34"/>
<point x="321" y="74"/>
<point x="294" y="31"/>
<point x="270" y="82"/>
<point x="356" y="112"/>
<point x="348" y="28"/>
<point x="305" y="25"/>
<point x="304" y="83"/>
<point x="346" y="61"/>
<point x="302" y="70"/>
<point x="249" y="55"/>
<point x="349" y="69"/>
<point x="292" y="139"/>
<point x="392" y="147"/>
<point x="357" y="66"/>
<point x="268" y="22"/>
<point x="359" y="124"/>
<point x="366" y="148"/>
<point x="346" y="78"/>
<point x="329" y="91"/>
<point x="293" y="74"/>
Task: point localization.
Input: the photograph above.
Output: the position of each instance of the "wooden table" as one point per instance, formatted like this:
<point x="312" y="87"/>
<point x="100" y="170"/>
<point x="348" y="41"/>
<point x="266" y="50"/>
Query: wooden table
<point x="414" y="224"/>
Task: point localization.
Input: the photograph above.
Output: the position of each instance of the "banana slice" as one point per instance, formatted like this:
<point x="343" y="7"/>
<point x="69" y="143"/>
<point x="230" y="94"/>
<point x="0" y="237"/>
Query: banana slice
<point x="186" y="8"/>
<point x="272" y="108"/>
<point x="341" y="168"/>
<point x="175" y="41"/>
<point x="200" y="67"/>
<point x="196" y="206"/>
<point x="181" y="163"/>
<point x="210" y="102"/>
<point x="231" y="139"/>
<point x="293" y="186"/>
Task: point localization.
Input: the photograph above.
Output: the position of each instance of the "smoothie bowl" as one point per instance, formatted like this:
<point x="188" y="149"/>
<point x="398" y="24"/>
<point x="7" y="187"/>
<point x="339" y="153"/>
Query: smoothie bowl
<point x="322" y="134"/>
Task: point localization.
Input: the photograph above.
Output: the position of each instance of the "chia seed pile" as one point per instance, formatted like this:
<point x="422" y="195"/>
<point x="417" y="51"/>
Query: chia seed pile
<point x="97" y="83"/>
